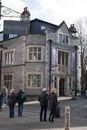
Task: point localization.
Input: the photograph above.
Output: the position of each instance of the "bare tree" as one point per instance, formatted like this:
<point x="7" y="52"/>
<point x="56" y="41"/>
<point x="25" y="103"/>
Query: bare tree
<point x="80" y="25"/>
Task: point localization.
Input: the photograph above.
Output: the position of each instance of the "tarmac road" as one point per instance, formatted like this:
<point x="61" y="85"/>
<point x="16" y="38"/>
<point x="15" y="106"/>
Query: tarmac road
<point x="30" y="119"/>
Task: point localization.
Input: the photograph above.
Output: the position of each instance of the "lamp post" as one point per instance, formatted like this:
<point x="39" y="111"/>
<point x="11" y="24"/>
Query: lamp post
<point x="50" y="62"/>
<point x="1" y="49"/>
<point x="0" y="9"/>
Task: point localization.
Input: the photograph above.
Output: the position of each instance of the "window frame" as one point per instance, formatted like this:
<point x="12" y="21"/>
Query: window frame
<point x="8" y="83"/>
<point x="38" y="54"/>
<point x="63" y="38"/>
<point x="9" y="57"/>
<point x="62" y="57"/>
<point x="31" y="84"/>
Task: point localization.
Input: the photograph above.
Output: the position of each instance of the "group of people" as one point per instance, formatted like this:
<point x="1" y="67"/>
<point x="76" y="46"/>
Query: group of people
<point x="12" y="99"/>
<point x="48" y="101"/>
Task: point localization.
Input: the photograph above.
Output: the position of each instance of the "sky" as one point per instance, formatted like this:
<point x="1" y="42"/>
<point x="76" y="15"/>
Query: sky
<point x="53" y="11"/>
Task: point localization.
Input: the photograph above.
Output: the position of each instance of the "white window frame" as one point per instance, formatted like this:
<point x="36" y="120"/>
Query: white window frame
<point x="33" y="59"/>
<point x="9" y="57"/>
<point x="7" y="80"/>
<point x="31" y="86"/>
<point x="64" y="38"/>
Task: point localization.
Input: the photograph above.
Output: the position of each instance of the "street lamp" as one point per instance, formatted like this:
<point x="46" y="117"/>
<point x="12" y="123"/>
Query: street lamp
<point x="50" y="62"/>
<point x="1" y="49"/>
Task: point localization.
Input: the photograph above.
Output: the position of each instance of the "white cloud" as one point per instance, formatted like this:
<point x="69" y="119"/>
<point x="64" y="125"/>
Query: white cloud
<point x="53" y="11"/>
<point x="14" y="4"/>
<point x="68" y="10"/>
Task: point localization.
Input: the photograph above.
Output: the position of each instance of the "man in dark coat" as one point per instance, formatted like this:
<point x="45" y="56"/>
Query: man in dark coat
<point x="52" y="104"/>
<point x="43" y="104"/>
<point x="20" y="102"/>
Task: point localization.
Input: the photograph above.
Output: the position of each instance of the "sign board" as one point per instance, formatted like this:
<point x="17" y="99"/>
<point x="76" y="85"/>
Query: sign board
<point x="16" y="27"/>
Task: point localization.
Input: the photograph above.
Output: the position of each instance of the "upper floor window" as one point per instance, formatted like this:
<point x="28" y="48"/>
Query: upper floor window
<point x="9" y="57"/>
<point x="35" y="53"/>
<point x="63" y="38"/>
<point x="63" y="58"/>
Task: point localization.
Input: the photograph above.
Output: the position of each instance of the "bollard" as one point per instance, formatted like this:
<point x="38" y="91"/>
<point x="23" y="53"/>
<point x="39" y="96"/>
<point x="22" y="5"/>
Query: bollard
<point x="67" y="118"/>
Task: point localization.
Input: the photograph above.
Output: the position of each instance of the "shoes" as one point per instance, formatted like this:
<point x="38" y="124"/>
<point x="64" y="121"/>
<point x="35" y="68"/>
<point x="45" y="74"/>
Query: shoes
<point x="45" y="120"/>
<point x="19" y="115"/>
<point x="51" y="120"/>
<point x="11" y="116"/>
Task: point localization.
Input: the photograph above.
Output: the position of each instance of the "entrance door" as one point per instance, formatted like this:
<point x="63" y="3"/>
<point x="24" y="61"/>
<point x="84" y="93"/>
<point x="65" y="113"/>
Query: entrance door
<point x="61" y="87"/>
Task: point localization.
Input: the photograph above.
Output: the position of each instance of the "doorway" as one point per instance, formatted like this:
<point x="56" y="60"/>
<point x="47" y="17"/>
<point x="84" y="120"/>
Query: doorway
<point x="61" y="87"/>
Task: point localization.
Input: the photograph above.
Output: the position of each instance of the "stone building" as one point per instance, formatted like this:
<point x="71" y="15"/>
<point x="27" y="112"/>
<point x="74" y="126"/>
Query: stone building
<point x="45" y="57"/>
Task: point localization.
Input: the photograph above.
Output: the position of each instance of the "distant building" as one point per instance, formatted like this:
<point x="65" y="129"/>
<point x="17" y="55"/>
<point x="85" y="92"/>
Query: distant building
<point x="26" y="62"/>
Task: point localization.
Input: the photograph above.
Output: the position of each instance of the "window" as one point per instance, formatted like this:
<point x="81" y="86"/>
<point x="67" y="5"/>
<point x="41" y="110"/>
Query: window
<point x="9" y="58"/>
<point x="63" y="58"/>
<point x="67" y="59"/>
<point x="34" y="80"/>
<point x="35" y="53"/>
<point x="12" y="35"/>
<point x="8" y="78"/>
<point x="63" y="38"/>
<point x="59" y="57"/>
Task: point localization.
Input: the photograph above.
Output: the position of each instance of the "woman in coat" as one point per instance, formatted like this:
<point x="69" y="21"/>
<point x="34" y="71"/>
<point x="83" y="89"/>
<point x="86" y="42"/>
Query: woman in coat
<point x="52" y="104"/>
<point x="11" y="102"/>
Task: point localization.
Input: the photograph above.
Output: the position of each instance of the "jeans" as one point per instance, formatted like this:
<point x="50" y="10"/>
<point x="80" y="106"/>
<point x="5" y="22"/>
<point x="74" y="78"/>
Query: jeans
<point x="4" y="99"/>
<point x="11" y="111"/>
<point x="43" y="111"/>
<point x="20" y="109"/>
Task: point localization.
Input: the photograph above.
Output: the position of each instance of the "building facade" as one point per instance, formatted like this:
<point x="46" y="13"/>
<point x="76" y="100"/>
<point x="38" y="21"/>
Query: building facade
<point x="45" y="57"/>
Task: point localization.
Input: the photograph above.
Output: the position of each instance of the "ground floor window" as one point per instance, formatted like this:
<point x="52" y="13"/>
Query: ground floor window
<point x="34" y="80"/>
<point x="8" y="79"/>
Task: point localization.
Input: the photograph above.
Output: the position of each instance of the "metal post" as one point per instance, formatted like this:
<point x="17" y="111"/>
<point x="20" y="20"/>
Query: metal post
<point x="0" y="66"/>
<point x="67" y="118"/>
<point x="50" y="60"/>
<point x="1" y="49"/>
<point x="0" y="8"/>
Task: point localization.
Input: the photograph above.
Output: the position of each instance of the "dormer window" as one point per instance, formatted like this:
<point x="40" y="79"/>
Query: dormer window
<point x="63" y="38"/>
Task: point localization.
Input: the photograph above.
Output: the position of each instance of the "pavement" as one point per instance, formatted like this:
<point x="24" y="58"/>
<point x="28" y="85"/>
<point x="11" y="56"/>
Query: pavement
<point x="27" y="123"/>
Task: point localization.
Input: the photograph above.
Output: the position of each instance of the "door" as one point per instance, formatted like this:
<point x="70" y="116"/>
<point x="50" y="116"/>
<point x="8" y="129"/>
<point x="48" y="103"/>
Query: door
<point x="61" y="87"/>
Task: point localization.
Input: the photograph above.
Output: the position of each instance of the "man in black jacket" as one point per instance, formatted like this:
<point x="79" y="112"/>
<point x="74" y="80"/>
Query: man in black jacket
<point x="43" y="99"/>
<point x="20" y="102"/>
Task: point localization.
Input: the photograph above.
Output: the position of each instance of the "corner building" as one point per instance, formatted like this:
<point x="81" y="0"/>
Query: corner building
<point x="45" y="57"/>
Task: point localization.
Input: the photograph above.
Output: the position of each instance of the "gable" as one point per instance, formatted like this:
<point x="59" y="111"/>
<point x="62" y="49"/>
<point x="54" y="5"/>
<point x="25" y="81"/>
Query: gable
<point x="63" y="29"/>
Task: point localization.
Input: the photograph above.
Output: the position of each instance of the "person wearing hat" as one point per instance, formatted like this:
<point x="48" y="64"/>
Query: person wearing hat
<point x="43" y="99"/>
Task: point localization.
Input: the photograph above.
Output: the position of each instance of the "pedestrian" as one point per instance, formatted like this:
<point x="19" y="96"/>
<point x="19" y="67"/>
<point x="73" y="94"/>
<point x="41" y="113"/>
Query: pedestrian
<point x="5" y="94"/>
<point x="43" y="99"/>
<point x="21" y="98"/>
<point x="52" y="103"/>
<point x="1" y="100"/>
<point x="11" y="102"/>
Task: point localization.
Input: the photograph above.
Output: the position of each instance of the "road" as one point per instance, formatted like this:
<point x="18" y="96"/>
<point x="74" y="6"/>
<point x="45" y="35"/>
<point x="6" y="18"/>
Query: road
<point x="30" y="119"/>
